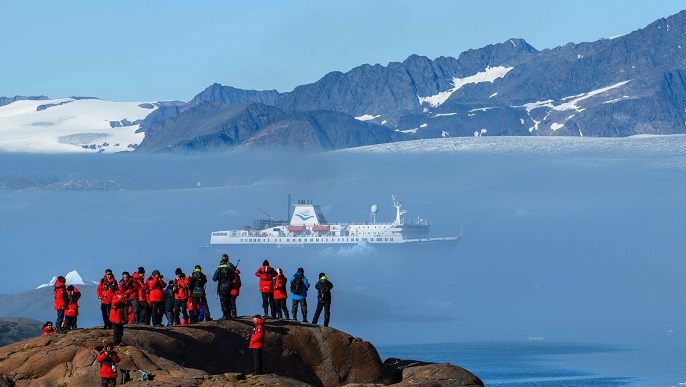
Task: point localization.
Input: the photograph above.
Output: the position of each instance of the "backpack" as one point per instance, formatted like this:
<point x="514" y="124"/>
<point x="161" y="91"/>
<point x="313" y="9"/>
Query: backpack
<point x="325" y="293"/>
<point x="297" y="285"/>
<point x="197" y="287"/>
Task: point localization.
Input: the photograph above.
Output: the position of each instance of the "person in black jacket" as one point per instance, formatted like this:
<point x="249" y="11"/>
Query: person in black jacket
<point x="323" y="287"/>
<point x="224" y="276"/>
<point x="196" y="285"/>
<point x="169" y="303"/>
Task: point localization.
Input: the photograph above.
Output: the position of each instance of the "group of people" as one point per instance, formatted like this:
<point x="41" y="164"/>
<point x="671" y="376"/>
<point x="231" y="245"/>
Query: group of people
<point x="274" y="288"/>
<point x="135" y="299"/>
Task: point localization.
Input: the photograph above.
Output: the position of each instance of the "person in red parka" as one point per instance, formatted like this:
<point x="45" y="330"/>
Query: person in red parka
<point x="118" y="314"/>
<point x="60" y="302"/>
<point x="156" y="287"/>
<point x="71" y="310"/>
<point x="266" y="274"/>
<point x="108" y="360"/>
<point x="235" y="291"/>
<point x="140" y="306"/>
<point x="129" y="288"/>
<point x="181" y="293"/>
<point x="280" y="294"/>
<point x="107" y="286"/>
<point x="47" y="328"/>
<point x="257" y="343"/>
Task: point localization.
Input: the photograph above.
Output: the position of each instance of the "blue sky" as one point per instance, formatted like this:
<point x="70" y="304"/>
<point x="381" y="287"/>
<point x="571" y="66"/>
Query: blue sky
<point x="154" y="50"/>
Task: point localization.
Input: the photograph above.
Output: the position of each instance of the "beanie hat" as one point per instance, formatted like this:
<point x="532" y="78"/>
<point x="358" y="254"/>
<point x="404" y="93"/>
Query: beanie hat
<point x="300" y="269"/>
<point x="178" y="271"/>
<point x="141" y="270"/>
<point x="108" y="271"/>
<point x="155" y="272"/>
<point x="197" y="268"/>
<point x="265" y="263"/>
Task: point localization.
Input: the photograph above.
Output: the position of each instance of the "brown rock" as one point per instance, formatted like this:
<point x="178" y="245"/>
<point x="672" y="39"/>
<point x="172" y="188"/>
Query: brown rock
<point x="215" y="354"/>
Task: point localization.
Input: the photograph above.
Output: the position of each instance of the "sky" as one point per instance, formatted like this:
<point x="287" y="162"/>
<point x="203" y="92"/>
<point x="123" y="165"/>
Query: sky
<point x="150" y="51"/>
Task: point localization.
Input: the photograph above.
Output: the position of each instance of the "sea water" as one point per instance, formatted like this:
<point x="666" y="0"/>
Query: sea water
<point x="540" y="363"/>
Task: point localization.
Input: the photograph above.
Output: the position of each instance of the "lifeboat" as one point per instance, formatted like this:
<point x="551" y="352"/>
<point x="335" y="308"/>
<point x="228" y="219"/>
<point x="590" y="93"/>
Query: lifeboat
<point x="296" y="228"/>
<point x="321" y="228"/>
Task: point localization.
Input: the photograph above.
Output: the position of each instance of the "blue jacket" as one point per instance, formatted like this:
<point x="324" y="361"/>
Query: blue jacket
<point x="169" y="298"/>
<point x="303" y="292"/>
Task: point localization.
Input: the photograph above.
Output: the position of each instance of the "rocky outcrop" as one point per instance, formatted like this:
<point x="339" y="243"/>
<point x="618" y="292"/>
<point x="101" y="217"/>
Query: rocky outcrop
<point x="215" y="354"/>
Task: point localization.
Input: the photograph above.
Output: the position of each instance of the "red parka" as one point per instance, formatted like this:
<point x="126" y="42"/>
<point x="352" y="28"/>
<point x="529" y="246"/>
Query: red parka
<point x="236" y="284"/>
<point x="72" y="307"/>
<point x="106" y="360"/>
<point x="142" y="287"/>
<point x="48" y="330"/>
<point x="156" y="287"/>
<point x="181" y="288"/>
<point x="118" y="307"/>
<point x="129" y="288"/>
<point x="266" y="275"/>
<point x="60" y="293"/>
<point x="106" y="288"/>
<point x="257" y="335"/>
<point x="280" y="290"/>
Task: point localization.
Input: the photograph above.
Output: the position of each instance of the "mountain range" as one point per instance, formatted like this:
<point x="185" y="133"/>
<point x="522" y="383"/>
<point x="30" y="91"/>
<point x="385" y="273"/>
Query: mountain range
<point x="616" y="87"/>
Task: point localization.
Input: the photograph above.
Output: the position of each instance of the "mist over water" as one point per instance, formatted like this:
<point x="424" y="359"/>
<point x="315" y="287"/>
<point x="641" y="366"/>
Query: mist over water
<point x="577" y="245"/>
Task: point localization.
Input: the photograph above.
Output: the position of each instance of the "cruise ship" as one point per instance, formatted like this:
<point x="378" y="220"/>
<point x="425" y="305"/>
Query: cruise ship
<point x="309" y="232"/>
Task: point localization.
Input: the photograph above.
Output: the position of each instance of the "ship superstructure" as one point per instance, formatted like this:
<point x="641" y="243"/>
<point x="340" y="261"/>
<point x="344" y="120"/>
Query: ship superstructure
<point x="309" y="229"/>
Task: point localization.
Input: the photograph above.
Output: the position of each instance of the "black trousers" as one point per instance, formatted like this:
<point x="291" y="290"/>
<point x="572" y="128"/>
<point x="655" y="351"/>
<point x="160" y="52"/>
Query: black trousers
<point x="60" y="320"/>
<point x="322" y="304"/>
<point x="257" y="360"/>
<point x="232" y="301"/>
<point x="157" y="312"/>
<point x="180" y="306"/>
<point x="118" y="333"/>
<point x="225" y="302"/>
<point x="267" y="303"/>
<point x="303" y="305"/>
<point x="281" y="308"/>
<point x="105" y="309"/>
<point x="109" y="382"/>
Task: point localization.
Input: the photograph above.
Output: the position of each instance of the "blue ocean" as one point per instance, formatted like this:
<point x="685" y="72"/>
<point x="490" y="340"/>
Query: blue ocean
<point x="541" y="363"/>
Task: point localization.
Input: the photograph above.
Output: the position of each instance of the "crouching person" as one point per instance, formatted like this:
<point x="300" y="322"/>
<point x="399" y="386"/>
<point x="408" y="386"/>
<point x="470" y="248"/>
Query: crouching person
<point x="108" y="360"/>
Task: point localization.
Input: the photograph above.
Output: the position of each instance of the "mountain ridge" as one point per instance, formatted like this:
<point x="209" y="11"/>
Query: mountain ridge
<point x="621" y="86"/>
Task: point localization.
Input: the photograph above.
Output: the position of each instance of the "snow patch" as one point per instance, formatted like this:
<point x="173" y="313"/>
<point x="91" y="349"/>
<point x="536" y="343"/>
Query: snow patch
<point x="424" y="125"/>
<point x="444" y="115"/>
<point x="383" y="122"/>
<point x="69" y="125"/>
<point x="493" y="95"/>
<point x="490" y="74"/>
<point x="481" y="109"/>
<point x="555" y="126"/>
<point x="367" y="117"/>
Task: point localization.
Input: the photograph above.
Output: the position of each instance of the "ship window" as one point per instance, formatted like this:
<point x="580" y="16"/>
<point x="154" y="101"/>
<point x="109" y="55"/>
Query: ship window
<point x="300" y="240"/>
<point x="311" y="240"/>
<point x="378" y="239"/>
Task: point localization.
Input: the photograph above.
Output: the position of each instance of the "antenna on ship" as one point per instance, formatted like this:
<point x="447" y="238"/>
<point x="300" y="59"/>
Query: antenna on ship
<point x="399" y="212"/>
<point x="288" y="210"/>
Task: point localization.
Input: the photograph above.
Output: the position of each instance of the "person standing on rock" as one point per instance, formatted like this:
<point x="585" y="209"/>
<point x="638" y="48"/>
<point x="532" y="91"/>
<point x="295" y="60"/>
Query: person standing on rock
<point x="257" y="343"/>
<point x="155" y="285"/>
<point x="266" y="275"/>
<point x="196" y="284"/>
<point x="235" y="291"/>
<point x="107" y="286"/>
<point x="118" y="315"/>
<point x="129" y="288"/>
<point x="323" y="287"/>
<point x="224" y="277"/>
<point x="140" y="304"/>
<point x="280" y="294"/>
<point x="169" y="303"/>
<point x="71" y="311"/>
<point x="181" y="294"/>
<point x="60" y="302"/>
<point x="298" y="293"/>
<point x="108" y="360"/>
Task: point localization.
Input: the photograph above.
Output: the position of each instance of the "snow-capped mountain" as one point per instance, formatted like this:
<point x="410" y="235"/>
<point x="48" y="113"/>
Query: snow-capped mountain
<point x="72" y="278"/>
<point x="632" y="84"/>
<point x="72" y="125"/>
